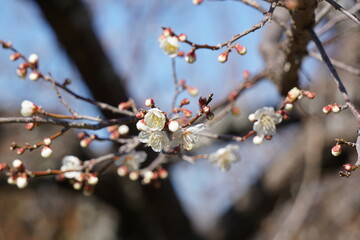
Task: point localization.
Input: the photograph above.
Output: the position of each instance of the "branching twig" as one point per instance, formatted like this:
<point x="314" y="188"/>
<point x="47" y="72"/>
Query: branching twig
<point x="344" y="11"/>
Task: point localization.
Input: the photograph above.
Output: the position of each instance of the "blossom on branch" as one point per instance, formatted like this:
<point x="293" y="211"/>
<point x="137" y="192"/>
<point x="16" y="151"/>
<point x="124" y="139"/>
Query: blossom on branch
<point x="71" y="163"/>
<point x="187" y="137"/>
<point x="157" y="140"/>
<point x="224" y="157"/>
<point x="265" y="120"/>
<point x="155" y="119"/>
<point x="28" y="108"/>
<point x="170" y="45"/>
<point x="132" y="160"/>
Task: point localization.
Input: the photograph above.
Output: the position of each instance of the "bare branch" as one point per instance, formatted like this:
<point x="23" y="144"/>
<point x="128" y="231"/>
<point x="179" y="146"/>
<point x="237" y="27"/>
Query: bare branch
<point x="344" y="11"/>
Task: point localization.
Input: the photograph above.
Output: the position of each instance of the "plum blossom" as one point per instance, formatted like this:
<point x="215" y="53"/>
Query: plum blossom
<point x="157" y="140"/>
<point x="170" y="45"/>
<point x="265" y="120"/>
<point x="71" y="163"/>
<point x="132" y="160"/>
<point x="187" y="137"/>
<point x="224" y="157"/>
<point x="155" y="119"/>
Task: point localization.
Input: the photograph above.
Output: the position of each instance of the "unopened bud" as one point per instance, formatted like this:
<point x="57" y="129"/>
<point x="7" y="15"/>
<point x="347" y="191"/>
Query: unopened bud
<point x="336" y="150"/>
<point x="122" y="171"/>
<point x="92" y="180"/>
<point x="141" y="125"/>
<point x="28" y="108"/>
<point x="22" y="181"/>
<point x="46" y="152"/>
<point x="235" y="111"/>
<point x="21" y="72"/>
<point x="47" y="141"/>
<point x="30" y="126"/>
<point x="251" y="117"/>
<point x="202" y="101"/>
<point x="33" y="58"/>
<point x="173" y="126"/>
<point x="289" y="106"/>
<point x="190" y="57"/>
<point x="347" y="167"/>
<point x="140" y="115"/>
<point x="336" y="108"/>
<point x="187" y="113"/>
<point x="17" y="163"/>
<point x="85" y="142"/>
<point x="197" y="2"/>
<point x="77" y="185"/>
<point x="163" y="174"/>
<point x="205" y="109"/>
<point x="223" y="57"/>
<point x="149" y="102"/>
<point x="182" y="37"/>
<point x="3" y="166"/>
<point x="193" y="91"/>
<point x="123" y="129"/>
<point x="15" y="56"/>
<point x="293" y="95"/>
<point x="258" y="140"/>
<point x="184" y="102"/>
<point x="167" y="32"/>
<point x="310" y="95"/>
<point x="240" y="49"/>
<point x="34" y="76"/>
<point x="327" y="109"/>
<point x="134" y="176"/>
<point x="210" y="116"/>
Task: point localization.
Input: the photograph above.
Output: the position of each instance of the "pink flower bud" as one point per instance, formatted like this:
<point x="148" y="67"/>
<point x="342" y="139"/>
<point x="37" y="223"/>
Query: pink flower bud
<point x="335" y="108"/>
<point x="202" y="101"/>
<point x="124" y="105"/>
<point x="240" y="49"/>
<point x="6" y="44"/>
<point x="167" y="32"/>
<point x="310" y="95"/>
<point x="235" y="111"/>
<point x="92" y="179"/>
<point x="149" y="102"/>
<point x="336" y="150"/>
<point x="30" y="126"/>
<point x="347" y="167"/>
<point x="246" y="74"/>
<point x="85" y="142"/>
<point x="182" y="37"/>
<point x="3" y="166"/>
<point x="223" y="57"/>
<point x="327" y="109"/>
<point x="184" y="102"/>
<point x="210" y="116"/>
<point x="140" y="115"/>
<point x="21" y="72"/>
<point x="187" y="113"/>
<point x="15" y="56"/>
<point x="163" y="174"/>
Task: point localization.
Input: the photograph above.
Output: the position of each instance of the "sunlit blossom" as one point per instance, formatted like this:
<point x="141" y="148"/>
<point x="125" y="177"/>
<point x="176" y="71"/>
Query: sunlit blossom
<point x="266" y="118"/>
<point x="155" y="119"/>
<point x="187" y="137"/>
<point x="170" y="45"/>
<point x="157" y="140"/>
<point x="28" y="108"/>
<point x="224" y="157"/>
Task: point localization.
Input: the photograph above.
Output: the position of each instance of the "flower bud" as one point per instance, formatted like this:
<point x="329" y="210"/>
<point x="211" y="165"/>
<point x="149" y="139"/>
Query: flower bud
<point x="28" y="108"/>
<point x="92" y="179"/>
<point x="33" y="58"/>
<point x="134" y="176"/>
<point x="251" y="117"/>
<point x="293" y="95"/>
<point x="223" y="57"/>
<point x="85" y="142"/>
<point x="193" y="91"/>
<point x="202" y="101"/>
<point x="190" y="57"/>
<point x="140" y="115"/>
<point x="182" y="37"/>
<point x="240" y="49"/>
<point x="184" y="102"/>
<point x="335" y="108"/>
<point x="46" y="152"/>
<point x="336" y="150"/>
<point x="210" y="116"/>
<point x="235" y="111"/>
<point x="30" y="126"/>
<point x="123" y="129"/>
<point x="47" y="141"/>
<point x="124" y="105"/>
<point x="22" y="181"/>
<point x="187" y="113"/>
<point x="197" y="2"/>
<point x="258" y="140"/>
<point x="77" y="185"/>
<point x="173" y="126"/>
<point x="122" y="171"/>
<point x="149" y="102"/>
<point x="141" y="125"/>
<point x="310" y="95"/>
<point x="11" y="180"/>
<point x="21" y="72"/>
<point x="167" y="32"/>
<point x="3" y="166"/>
<point x="205" y="109"/>
<point x="289" y="106"/>
<point x="327" y="109"/>
<point x="347" y="167"/>
<point x="163" y="174"/>
<point x="17" y="163"/>
<point x="33" y="76"/>
<point x="15" y="56"/>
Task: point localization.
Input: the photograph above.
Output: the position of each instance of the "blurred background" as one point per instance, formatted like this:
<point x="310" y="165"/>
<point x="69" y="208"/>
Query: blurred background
<point x="286" y="188"/>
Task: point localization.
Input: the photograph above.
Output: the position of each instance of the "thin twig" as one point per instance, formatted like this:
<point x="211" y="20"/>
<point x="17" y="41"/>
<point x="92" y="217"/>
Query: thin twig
<point x="344" y="11"/>
<point x="335" y="75"/>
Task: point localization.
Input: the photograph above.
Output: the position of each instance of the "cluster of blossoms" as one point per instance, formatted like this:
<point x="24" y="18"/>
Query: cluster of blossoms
<point x="153" y="132"/>
<point x="17" y="174"/>
<point x="72" y="170"/>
